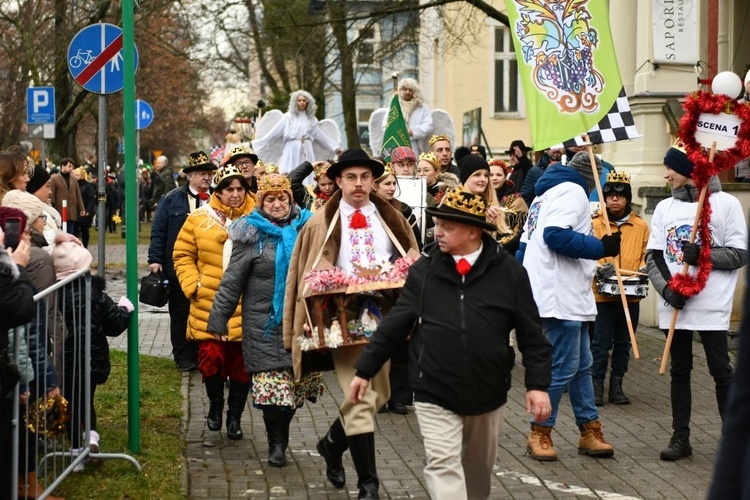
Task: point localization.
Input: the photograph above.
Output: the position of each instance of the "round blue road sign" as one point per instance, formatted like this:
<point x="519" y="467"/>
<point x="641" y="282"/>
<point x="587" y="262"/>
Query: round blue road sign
<point x="95" y="58"/>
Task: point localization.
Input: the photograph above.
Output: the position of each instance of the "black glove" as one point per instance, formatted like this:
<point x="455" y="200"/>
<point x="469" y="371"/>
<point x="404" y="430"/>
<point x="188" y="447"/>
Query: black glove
<point x="674" y="299"/>
<point x="611" y="244"/>
<point x="690" y="253"/>
<point x="605" y="271"/>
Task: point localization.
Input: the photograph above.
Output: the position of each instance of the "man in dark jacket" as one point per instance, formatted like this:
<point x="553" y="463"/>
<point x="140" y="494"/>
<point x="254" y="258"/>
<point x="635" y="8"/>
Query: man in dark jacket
<point x="168" y="220"/>
<point x="460" y="357"/>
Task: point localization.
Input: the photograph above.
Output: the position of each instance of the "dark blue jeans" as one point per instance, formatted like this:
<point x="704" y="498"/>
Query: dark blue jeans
<point x="716" y="347"/>
<point x="611" y="333"/>
<point x="571" y="368"/>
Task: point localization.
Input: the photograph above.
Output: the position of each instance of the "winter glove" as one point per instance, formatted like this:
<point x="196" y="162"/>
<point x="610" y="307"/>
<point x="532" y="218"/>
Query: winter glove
<point x="125" y="302"/>
<point x="690" y="253"/>
<point x="611" y="244"/>
<point x="674" y="299"/>
<point x="605" y="271"/>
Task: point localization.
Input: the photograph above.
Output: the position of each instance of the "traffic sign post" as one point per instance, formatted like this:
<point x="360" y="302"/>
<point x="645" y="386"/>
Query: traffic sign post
<point x="144" y="114"/>
<point x="40" y="105"/>
<point x="40" y="112"/>
<point x="95" y="58"/>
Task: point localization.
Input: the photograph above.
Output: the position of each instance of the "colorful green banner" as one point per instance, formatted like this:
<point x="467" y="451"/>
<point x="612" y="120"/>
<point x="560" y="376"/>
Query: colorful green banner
<point x="396" y="132"/>
<point x="566" y="59"/>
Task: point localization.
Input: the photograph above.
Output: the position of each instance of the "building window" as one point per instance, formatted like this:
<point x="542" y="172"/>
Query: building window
<point x="366" y="50"/>
<point x="506" y="73"/>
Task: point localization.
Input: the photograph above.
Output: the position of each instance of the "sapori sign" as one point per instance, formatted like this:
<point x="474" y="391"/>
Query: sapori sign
<point x="674" y="31"/>
<point x="721" y="127"/>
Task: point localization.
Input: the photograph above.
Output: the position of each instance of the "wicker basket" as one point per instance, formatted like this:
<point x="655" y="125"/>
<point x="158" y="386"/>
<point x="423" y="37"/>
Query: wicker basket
<point x="347" y="306"/>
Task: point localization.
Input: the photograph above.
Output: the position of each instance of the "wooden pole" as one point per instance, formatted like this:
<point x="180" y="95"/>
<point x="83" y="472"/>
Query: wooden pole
<point x="693" y="234"/>
<point x="603" y="208"/>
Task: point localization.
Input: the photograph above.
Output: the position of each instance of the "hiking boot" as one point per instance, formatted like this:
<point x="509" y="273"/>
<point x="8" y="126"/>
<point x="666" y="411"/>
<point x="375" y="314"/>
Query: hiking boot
<point x="679" y="447"/>
<point x="539" y="446"/>
<point x="616" y="395"/>
<point x="592" y="441"/>
<point x="599" y="392"/>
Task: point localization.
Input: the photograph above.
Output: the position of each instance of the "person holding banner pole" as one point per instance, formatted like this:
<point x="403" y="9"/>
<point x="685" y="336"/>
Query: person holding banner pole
<point x="707" y="312"/>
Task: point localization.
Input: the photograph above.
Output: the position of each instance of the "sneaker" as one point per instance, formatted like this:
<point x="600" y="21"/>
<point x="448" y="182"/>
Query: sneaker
<point x="94" y="460"/>
<point x="592" y="441"/>
<point x="540" y="446"/>
<point x="679" y="447"/>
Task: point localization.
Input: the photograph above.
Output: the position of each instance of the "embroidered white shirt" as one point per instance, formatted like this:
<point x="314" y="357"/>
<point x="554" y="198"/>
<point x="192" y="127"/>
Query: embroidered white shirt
<point x="368" y="247"/>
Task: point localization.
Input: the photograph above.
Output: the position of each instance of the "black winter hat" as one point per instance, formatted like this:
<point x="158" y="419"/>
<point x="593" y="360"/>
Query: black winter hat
<point x="39" y="179"/>
<point x="470" y="164"/>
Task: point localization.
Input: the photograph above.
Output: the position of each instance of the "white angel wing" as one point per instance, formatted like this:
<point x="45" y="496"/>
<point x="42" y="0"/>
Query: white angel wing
<point x="442" y="123"/>
<point x="269" y="137"/>
<point x="376" y="129"/>
<point x="321" y="149"/>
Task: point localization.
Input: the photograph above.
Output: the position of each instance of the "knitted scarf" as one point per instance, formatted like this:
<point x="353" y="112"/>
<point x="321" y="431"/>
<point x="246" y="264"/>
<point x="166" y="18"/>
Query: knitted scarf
<point x="283" y="238"/>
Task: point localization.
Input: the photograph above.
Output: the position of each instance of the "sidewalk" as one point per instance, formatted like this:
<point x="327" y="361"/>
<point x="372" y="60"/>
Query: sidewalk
<point x="219" y="468"/>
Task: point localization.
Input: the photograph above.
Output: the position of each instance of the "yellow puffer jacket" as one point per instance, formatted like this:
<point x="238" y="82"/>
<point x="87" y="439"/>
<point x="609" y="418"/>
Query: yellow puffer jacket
<point x="199" y="263"/>
<point x="635" y="234"/>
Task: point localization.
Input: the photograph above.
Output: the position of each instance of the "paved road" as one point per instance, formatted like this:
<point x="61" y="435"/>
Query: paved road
<point x="219" y="468"/>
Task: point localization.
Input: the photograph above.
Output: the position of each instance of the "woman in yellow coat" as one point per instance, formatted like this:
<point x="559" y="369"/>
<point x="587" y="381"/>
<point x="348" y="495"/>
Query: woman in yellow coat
<point x="201" y="254"/>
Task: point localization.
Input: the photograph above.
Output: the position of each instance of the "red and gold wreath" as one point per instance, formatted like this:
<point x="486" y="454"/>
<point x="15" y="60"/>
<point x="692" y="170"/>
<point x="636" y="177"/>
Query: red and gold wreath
<point x="696" y="104"/>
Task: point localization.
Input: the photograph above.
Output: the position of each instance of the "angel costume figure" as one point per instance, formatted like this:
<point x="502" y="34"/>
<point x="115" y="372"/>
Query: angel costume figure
<point x="420" y="121"/>
<point x="293" y="137"/>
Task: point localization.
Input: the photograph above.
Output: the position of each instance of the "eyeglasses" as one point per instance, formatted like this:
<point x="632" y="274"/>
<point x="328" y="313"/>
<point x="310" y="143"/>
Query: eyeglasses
<point x="616" y="195"/>
<point x="243" y="163"/>
<point x="366" y="177"/>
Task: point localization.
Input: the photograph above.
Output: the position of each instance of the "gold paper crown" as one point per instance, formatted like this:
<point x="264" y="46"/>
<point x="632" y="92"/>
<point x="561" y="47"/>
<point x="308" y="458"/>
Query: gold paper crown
<point x="239" y="150"/>
<point x="388" y="170"/>
<point x="679" y="146"/>
<point x="196" y="159"/>
<point x="440" y="137"/>
<point x="271" y="169"/>
<point x="320" y="169"/>
<point x="227" y="170"/>
<point x="618" y="177"/>
<point x="430" y="157"/>
<point x="465" y="202"/>
<point x="274" y="182"/>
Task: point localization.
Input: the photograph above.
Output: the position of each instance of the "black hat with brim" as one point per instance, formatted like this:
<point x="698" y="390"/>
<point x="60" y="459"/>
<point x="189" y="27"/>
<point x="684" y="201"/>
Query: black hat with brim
<point x="518" y="143"/>
<point x="355" y="158"/>
<point x="448" y="210"/>
<point x="198" y="161"/>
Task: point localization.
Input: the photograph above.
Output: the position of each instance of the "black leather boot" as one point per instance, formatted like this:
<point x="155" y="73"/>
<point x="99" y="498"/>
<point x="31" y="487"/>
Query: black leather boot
<point x="616" y="395"/>
<point x="362" y="447"/>
<point x="679" y="447"/>
<point x="236" y="402"/>
<point x="599" y="392"/>
<point x="288" y="416"/>
<point x="274" y="420"/>
<point x="332" y="448"/>
<point x="215" y="393"/>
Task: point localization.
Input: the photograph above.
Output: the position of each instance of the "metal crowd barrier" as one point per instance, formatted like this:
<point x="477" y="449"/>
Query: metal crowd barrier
<point x="43" y="451"/>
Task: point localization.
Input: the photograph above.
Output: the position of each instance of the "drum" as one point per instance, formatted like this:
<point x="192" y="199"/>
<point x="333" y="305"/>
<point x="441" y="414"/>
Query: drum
<point x="636" y="287"/>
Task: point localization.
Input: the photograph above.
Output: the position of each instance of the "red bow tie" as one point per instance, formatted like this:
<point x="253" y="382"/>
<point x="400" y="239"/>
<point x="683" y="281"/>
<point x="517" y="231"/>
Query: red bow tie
<point x="463" y="267"/>
<point x="358" y="220"/>
<point x="203" y="196"/>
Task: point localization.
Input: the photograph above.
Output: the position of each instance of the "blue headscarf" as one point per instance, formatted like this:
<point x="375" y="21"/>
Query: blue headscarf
<point x="283" y="239"/>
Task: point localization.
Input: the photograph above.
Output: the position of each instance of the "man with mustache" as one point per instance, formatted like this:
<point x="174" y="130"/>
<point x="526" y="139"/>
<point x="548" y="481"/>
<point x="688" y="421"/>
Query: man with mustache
<point x="355" y="229"/>
<point x="170" y="215"/>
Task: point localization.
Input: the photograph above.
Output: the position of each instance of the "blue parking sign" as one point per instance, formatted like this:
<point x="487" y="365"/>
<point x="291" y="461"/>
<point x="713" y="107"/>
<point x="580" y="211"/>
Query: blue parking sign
<point x="40" y="105"/>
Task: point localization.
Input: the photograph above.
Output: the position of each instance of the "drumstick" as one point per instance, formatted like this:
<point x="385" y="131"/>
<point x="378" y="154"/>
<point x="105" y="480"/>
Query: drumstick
<point x="626" y="272"/>
<point x="693" y="234"/>
<point x="623" y="298"/>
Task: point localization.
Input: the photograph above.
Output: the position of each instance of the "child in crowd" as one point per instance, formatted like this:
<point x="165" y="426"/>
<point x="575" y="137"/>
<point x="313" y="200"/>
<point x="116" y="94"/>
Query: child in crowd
<point x="108" y="319"/>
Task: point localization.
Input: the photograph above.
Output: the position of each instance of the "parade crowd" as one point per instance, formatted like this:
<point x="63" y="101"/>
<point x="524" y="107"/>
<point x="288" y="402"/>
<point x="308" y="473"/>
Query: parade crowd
<point x="260" y="249"/>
